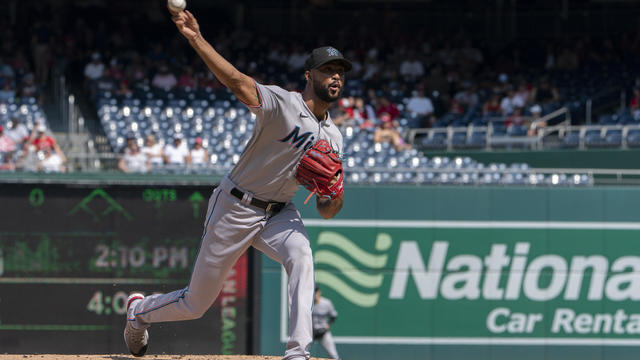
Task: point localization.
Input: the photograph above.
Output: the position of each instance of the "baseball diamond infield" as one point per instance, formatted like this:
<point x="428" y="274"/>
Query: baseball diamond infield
<point x="147" y="357"/>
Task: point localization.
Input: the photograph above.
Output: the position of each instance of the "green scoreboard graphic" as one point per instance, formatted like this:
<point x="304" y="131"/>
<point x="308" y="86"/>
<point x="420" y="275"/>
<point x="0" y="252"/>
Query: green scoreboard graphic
<point x="70" y="255"/>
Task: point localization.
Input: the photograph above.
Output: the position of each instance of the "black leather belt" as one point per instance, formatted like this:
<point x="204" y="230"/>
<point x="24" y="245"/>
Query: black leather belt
<point x="268" y="206"/>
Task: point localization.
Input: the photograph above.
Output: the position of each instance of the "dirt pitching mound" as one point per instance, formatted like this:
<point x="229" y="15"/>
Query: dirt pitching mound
<point x="146" y="357"/>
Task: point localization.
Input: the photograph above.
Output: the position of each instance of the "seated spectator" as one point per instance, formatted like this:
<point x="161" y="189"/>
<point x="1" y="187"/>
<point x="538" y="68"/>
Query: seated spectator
<point x="467" y="97"/>
<point x="41" y="141"/>
<point x="536" y="123"/>
<point x="6" y="163"/>
<point x="523" y="93"/>
<point x="492" y="106"/>
<point x="104" y="84"/>
<point x="176" y="153"/>
<point x="422" y="106"/>
<point x="7" y="145"/>
<point x="386" y="132"/>
<point x="94" y="69"/>
<point x="7" y="93"/>
<point x="411" y="68"/>
<point x="510" y="102"/>
<point x="152" y="150"/>
<point x="342" y="114"/>
<point x="387" y="107"/>
<point x="29" y="88"/>
<point x="187" y="79"/>
<point x="634" y="104"/>
<point x="198" y="155"/>
<point x="164" y="79"/>
<point x="134" y="161"/>
<point x="51" y="162"/>
<point x="17" y="131"/>
<point x="545" y="95"/>
<point x="362" y="111"/>
<point x="514" y="120"/>
<point x="124" y="90"/>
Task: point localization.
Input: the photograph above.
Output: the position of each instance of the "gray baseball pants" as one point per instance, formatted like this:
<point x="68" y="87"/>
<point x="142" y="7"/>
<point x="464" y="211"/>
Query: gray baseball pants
<point x="231" y="226"/>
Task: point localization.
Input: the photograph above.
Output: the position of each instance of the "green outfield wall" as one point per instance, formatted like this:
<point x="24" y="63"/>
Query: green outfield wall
<point x="473" y="273"/>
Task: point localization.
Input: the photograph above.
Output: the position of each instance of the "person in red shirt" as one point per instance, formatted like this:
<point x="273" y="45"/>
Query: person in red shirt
<point x="388" y="107"/>
<point x="42" y="141"/>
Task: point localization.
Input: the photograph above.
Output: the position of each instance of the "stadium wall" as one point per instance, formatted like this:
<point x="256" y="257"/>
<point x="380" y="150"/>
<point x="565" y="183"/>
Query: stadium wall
<point x="585" y="159"/>
<point x="473" y="273"/>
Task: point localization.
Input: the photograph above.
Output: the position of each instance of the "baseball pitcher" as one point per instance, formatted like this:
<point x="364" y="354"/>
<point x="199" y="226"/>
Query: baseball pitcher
<point x="294" y="142"/>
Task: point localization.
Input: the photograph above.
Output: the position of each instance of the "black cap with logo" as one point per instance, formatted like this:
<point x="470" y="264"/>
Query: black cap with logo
<point x="323" y="55"/>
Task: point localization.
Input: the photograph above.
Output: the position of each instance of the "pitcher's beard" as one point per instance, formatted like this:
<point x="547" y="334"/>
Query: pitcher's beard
<point x="324" y="93"/>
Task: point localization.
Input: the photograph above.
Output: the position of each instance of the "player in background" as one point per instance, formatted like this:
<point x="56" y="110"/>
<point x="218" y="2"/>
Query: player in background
<point x="324" y="314"/>
<point x="252" y="206"/>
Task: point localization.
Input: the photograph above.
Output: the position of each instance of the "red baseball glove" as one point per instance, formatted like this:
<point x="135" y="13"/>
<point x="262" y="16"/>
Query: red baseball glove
<point x="318" y="167"/>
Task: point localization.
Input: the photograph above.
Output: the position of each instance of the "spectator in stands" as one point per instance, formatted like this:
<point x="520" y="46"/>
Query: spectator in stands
<point x="124" y="90"/>
<point x="634" y="104"/>
<point x="536" y="123"/>
<point x="17" y="131"/>
<point x="42" y="141"/>
<point x="7" y="163"/>
<point x="115" y="70"/>
<point x="7" y="145"/>
<point x="104" y="84"/>
<point x="386" y="106"/>
<point x="187" y="79"/>
<point x="297" y="58"/>
<point x="387" y="132"/>
<point x="51" y="162"/>
<point x="523" y="94"/>
<point x="6" y="70"/>
<point x="152" y="150"/>
<point x="510" y="102"/>
<point x="411" y="69"/>
<point x="492" y="106"/>
<point x="176" y="153"/>
<point x="198" y="156"/>
<point x="342" y="113"/>
<point x="422" y="107"/>
<point x="7" y="93"/>
<point x="546" y="96"/>
<point x="134" y="161"/>
<point x="467" y="97"/>
<point x="362" y="111"/>
<point x="164" y="79"/>
<point x="515" y="122"/>
<point x="135" y="71"/>
<point x="30" y="89"/>
<point x="94" y="69"/>
<point x="436" y="83"/>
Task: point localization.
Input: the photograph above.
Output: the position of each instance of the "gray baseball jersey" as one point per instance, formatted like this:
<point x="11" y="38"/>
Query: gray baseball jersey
<point x="323" y="312"/>
<point x="285" y="128"/>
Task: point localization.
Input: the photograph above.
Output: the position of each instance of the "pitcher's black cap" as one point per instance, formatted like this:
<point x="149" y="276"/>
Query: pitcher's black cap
<point x="323" y="55"/>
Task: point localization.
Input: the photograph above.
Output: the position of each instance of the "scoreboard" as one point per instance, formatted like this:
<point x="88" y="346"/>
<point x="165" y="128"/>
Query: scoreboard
<point x="71" y="254"/>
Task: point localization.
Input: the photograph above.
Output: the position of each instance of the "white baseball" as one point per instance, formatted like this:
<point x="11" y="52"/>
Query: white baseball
<point x="177" y="5"/>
